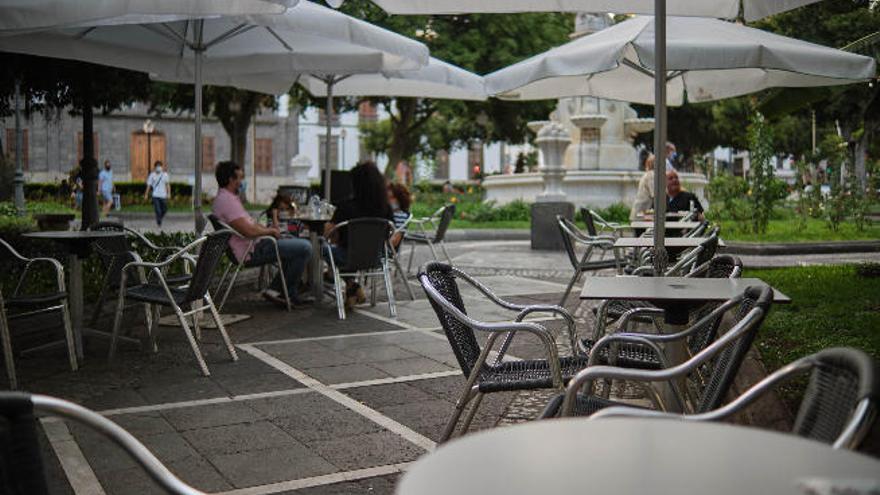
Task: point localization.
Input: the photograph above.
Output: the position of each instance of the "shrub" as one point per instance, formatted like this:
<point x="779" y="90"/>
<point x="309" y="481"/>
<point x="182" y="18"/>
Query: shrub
<point x="765" y="190"/>
<point x="618" y="212"/>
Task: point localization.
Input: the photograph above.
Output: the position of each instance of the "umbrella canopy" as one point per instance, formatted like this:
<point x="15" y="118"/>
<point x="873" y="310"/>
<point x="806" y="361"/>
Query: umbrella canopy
<point x="706" y="59"/>
<point x="306" y="38"/>
<point x="22" y="15"/>
<point x="726" y="9"/>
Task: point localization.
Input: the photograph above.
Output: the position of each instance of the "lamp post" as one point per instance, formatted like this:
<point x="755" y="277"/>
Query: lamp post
<point x="342" y="134"/>
<point x="149" y="128"/>
<point x="18" y="180"/>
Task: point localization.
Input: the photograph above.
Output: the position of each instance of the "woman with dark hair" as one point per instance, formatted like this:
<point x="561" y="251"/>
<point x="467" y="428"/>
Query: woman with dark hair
<point x="369" y="199"/>
<point x="400" y="200"/>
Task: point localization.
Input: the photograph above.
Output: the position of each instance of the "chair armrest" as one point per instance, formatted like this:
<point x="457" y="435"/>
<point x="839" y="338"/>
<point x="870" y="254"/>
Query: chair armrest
<point x="29" y="262"/>
<point x="634" y="412"/>
<point x="626" y="318"/>
<point x="556" y="310"/>
<point x="626" y="338"/>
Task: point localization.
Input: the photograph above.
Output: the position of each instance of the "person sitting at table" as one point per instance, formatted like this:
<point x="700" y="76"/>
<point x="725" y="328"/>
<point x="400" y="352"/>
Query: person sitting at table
<point x="400" y="200"/>
<point x="369" y="199"/>
<point x="645" y="193"/>
<point x="279" y="215"/>
<point x="295" y="253"/>
<point x="677" y="199"/>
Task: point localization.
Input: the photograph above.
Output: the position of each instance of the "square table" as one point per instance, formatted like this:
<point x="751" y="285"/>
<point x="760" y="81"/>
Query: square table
<point x="668" y="225"/>
<point x="669" y="242"/>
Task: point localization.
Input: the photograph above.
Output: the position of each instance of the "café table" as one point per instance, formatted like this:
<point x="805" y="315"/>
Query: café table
<point x="676" y="225"/>
<point x="669" y="242"/>
<point x="677" y="296"/>
<point x="629" y="456"/>
<point x="315" y="225"/>
<point x="77" y="244"/>
<point x="669" y="214"/>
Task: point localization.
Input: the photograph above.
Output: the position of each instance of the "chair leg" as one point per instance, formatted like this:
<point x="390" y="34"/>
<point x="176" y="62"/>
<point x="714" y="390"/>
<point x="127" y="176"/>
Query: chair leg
<point x="433" y="251"/>
<point x="471" y="413"/>
<point x="400" y="272"/>
<point x="283" y="279"/>
<point x="338" y="289"/>
<point x="6" y="342"/>
<point x="574" y="279"/>
<point x="99" y="307"/>
<point x="219" y="322"/>
<point x="412" y="254"/>
<point x="372" y="291"/>
<point x="68" y="336"/>
<point x="462" y="402"/>
<point x="152" y="327"/>
<point x="192" y="342"/>
<point x="389" y="289"/>
<point x="229" y="287"/>
<point x="197" y="319"/>
<point x="443" y="248"/>
<point x="117" y="322"/>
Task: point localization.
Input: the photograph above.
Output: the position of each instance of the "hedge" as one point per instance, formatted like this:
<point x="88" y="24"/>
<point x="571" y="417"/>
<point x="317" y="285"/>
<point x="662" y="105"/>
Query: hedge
<point x="40" y="190"/>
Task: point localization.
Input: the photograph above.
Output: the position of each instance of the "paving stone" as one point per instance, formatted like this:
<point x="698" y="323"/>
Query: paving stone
<point x="447" y="388"/>
<point x="287" y="405"/>
<point x="194" y="471"/>
<point x="300" y="358"/>
<point x="271" y="465"/>
<point x="390" y="394"/>
<point x="380" y="485"/>
<point x="325" y="423"/>
<point x="230" y="439"/>
<point x="142" y="424"/>
<point x="191" y="418"/>
<point x="363" y="451"/>
<point x="419" y="415"/>
<point x="386" y="352"/>
<point x="436" y="347"/>
<point x="355" y="342"/>
<point x="196" y="387"/>
<point x="346" y="373"/>
<point x="254" y="384"/>
<point x="410" y="366"/>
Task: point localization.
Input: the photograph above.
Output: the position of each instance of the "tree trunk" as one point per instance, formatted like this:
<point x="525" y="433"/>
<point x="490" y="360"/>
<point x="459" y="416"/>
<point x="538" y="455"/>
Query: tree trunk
<point x="89" y="164"/>
<point x="861" y="151"/>
<point x="401" y="147"/>
<point x="236" y="125"/>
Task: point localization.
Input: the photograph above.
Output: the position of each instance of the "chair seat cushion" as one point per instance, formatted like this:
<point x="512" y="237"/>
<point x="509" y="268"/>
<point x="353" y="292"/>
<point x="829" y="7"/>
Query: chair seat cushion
<point x="418" y="237"/>
<point x="527" y="374"/>
<point x="155" y="294"/>
<point x="181" y="279"/>
<point x="629" y="355"/>
<point x="598" y="264"/>
<point x="35" y="300"/>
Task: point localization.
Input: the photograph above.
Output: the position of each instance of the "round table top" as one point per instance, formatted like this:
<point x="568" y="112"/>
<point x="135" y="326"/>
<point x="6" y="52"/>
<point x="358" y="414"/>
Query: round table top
<point x="312" y="219"/>
<point x="636" y="456"/>
<point x="72" y="235"/>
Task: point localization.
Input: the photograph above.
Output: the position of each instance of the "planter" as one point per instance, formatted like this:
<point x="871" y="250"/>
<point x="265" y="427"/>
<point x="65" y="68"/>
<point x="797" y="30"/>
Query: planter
<point x="54" y="221"/>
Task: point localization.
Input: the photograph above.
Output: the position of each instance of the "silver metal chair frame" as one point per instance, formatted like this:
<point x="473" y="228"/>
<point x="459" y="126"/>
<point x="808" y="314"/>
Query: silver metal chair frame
<point x="495" y="330"/>
<point x="132" y="446"/>
<point x="384" y="272"/>
<point x="669" y="374"/>
<point x="252" y="242"/>
<point x="605" y="224"/>
<point x="603" y="242"/>
<point x="5" y="335"/>
<point x="420" y="223"/>
<point x="863" y="415"/>
<point x="197" y="308"/>
<point x="395" y="255"/>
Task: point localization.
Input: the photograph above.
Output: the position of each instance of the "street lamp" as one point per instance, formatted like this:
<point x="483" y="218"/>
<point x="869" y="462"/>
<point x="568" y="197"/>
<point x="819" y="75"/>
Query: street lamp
<point x="149" y="128"/>
<point x="342" y="134"/>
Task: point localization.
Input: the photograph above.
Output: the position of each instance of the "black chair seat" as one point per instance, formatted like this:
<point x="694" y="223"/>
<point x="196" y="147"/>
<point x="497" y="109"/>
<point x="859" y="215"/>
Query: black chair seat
<point x="585" y="405"/>
<point x="629" y="355"/>
<point x="418" y="237"/>
<point x="29" y="300"/>
<point x="181" y="279"/>
<point x="527" y="374"/>
<point x="155" y="294"/>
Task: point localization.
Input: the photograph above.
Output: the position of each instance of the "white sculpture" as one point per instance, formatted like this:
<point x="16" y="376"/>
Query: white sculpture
<point x="300" y="165"/>
<point x="552" y="140"/>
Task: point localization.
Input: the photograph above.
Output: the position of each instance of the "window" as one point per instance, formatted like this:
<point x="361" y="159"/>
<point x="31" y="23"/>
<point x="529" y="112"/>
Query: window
<point x="10" y="147"/>
<point x="263" y="155"/>
<point x="79" y="146"/>
<point x="334" y="151"/>
<point x="208" y="153"/>
<point x="367" y="112"/>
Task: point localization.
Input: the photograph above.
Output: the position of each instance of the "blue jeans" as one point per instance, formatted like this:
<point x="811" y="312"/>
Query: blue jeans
<point x="160" y="207"/>
<point x="338" y="254"/>
<point x="295" y="254"/>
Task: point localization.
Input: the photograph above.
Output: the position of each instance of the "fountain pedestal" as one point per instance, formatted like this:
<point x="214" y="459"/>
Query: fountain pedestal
<point x="552" y="140"/>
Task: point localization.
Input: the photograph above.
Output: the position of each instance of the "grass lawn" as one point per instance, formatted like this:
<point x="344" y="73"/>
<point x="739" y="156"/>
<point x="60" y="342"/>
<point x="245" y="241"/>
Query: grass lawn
<point x="831" y="306"/>
<point x="788" y="230"/>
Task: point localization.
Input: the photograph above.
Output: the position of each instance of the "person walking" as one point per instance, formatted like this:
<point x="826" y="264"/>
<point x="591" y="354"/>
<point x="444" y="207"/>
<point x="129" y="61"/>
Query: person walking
<point x="160" y="185"/>
<point x="105" y="187"/>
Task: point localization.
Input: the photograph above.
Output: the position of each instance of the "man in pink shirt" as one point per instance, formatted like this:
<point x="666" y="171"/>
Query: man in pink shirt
<point x="295" y="252"/>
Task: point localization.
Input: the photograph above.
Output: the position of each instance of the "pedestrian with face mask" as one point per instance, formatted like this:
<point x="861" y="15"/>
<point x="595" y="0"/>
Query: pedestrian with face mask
<point x="159" y="183"/>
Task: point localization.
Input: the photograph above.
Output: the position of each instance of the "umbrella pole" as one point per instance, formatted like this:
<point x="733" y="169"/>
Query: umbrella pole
<point x="328" y="120"/>
<point x="19" y="146"/>
<point x="660" y="256"/>
<point x="198" y="50"/>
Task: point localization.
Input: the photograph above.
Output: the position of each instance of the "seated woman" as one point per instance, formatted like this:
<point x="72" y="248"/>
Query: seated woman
<point x="369" y="199"/>
<point x="400" y="201"/>
<point x="279" y="215"/>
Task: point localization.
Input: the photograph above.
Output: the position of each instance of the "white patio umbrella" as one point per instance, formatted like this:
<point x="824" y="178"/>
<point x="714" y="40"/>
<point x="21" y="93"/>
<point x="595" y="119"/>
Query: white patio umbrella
<point x="306" y="38"/>
<point x="729" y="9"/>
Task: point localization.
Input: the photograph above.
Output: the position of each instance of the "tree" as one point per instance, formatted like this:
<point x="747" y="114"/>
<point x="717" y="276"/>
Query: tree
<point x="54" y="84"/>
<point x="480" y="43"/>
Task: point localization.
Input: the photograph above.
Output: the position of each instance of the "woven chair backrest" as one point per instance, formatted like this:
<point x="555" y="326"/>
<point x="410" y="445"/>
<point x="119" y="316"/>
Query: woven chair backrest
<point x="366" y="243"/>
<point x="114" y="252"/>
<point x="725" y="365"/>
<point x="461" y="337"/>
<point x="446" y="217"/>
<point x="218" y="225"/>
<point x="710" y="247"/>
<point x="589" y="221"/>
<point x="841" y="378"/>
<point x="723" y="266"/>
<point x="210" y="254"/>
<point x="21" y="461"/>
<point x="567" y="230"/>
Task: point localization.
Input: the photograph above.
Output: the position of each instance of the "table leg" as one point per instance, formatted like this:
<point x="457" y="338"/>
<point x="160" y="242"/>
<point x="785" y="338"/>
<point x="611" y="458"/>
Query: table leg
<point x="75" y="296"/>
<point x="317" y="276"/>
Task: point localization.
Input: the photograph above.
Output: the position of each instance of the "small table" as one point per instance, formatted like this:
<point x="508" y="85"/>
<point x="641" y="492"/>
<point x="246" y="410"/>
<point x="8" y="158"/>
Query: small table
<point x="316" y="230"/>
<point x="669" y="242"/>
<point x="627" y="456"/>
<point x="78" y="244"/>
<point x="669" y="225"/>
<point x="669" y="214"/>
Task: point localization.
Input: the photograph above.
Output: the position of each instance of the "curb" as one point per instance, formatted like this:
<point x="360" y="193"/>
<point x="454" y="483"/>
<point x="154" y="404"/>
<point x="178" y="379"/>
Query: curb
<point x="830" y="247"/>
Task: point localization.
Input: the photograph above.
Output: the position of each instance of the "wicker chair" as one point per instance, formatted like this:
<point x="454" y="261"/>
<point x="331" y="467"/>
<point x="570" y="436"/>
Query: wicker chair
<point x="430" y="231"/>
<point x="439" y="281"/>
<point x="571" y="237"/>
<point x="366" y="256"/>
<point x="22" y="304"/>
<point x="707" y="376"/>
<point x="21" y="457"/>
<point x="195" y="294"/>
<point x="839" y="406"/>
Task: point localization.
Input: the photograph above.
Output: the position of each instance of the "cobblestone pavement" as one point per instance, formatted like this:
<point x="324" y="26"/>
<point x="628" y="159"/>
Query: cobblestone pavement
<point x="313" y="405"/>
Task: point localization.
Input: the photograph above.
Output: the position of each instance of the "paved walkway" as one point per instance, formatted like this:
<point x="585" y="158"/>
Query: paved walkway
<point x="314" y="404"/>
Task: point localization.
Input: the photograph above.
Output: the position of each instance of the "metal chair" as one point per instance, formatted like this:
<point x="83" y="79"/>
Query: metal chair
<point x="246" y="263"/>
<point x="591" y="218"/>
<point x="29" y="304"/>
<point x="393" y="253"/>
<point x="366" y="256"/>
<point x="196" y="294"/>
<point x="706" y="376"/>
<point x="21" y="459"/>
<point x="429" y="231"/>
<point x="839" y="405"/>
<point x="571" y="237"/>
<point x="439" y="280"/>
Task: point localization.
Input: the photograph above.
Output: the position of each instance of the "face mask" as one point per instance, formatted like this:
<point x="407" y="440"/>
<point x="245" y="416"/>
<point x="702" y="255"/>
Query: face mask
<point x="394" y="205"/>
<point x="241" y="188"/>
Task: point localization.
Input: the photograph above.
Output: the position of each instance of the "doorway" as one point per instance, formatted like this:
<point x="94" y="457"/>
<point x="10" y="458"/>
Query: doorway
<point x="144" y="153"/>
